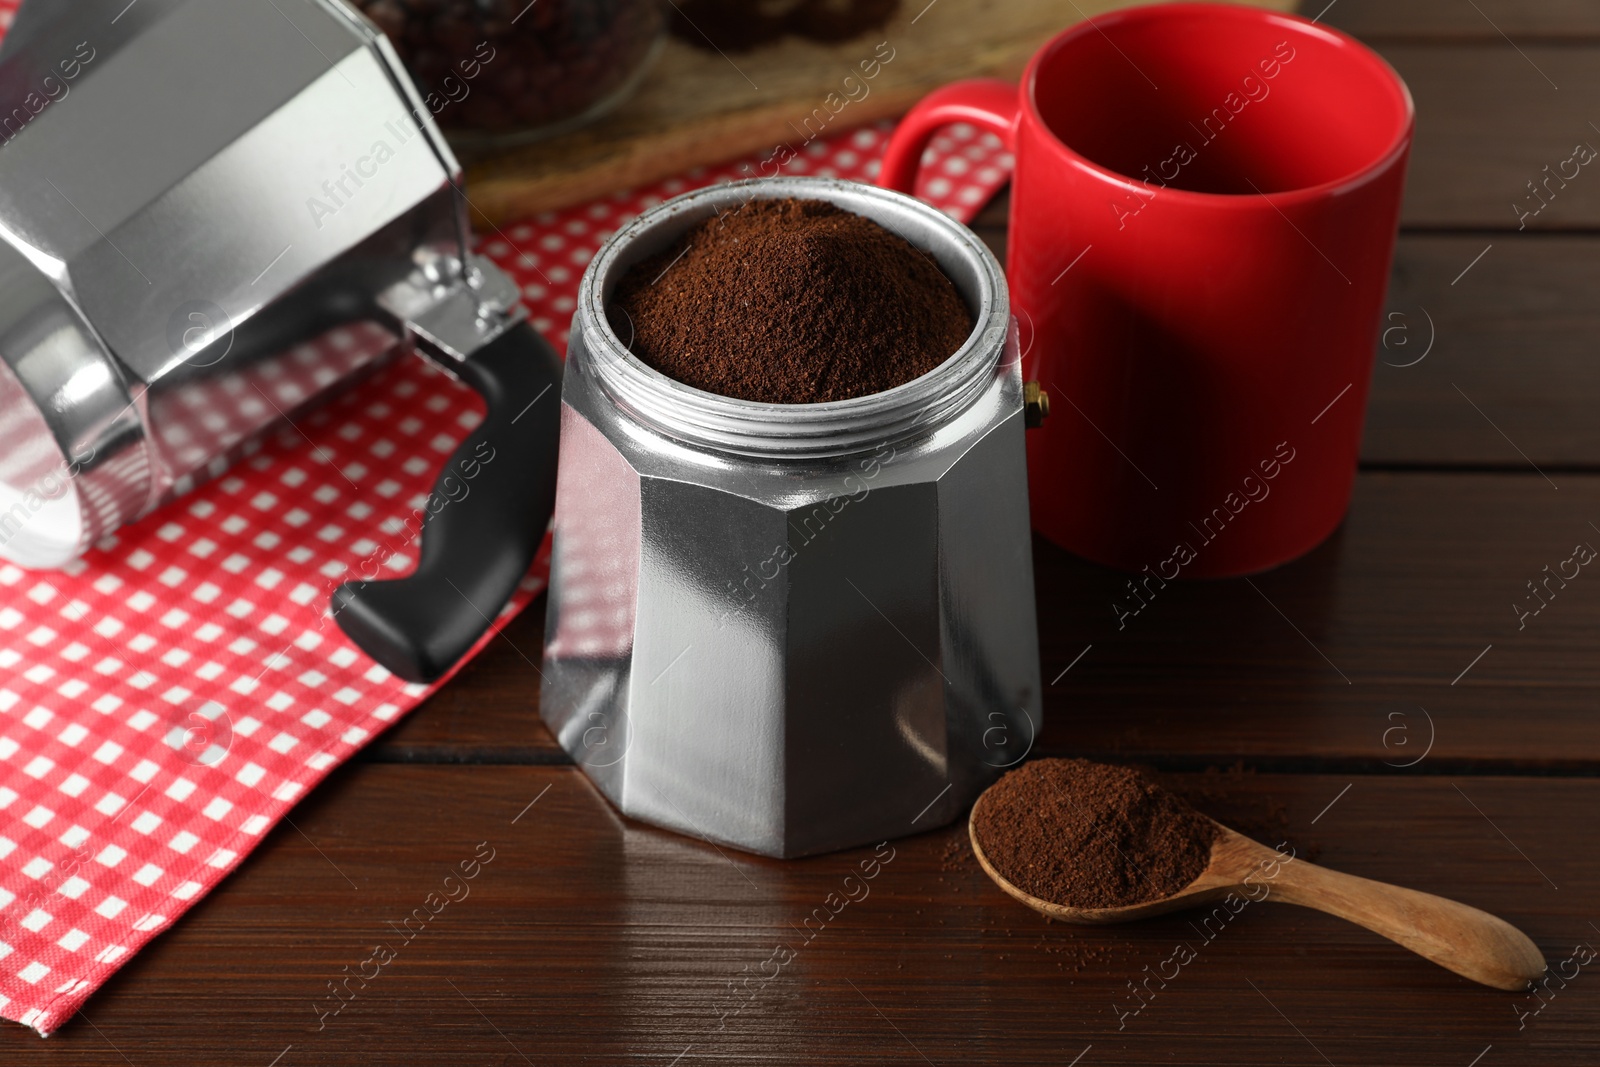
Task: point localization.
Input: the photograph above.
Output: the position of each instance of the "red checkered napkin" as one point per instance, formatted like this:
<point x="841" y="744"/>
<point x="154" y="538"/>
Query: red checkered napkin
<point x="165" y="700"/>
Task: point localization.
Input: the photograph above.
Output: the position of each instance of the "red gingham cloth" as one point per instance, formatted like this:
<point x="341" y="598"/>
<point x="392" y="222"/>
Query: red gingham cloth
<point x="166" y="699"/>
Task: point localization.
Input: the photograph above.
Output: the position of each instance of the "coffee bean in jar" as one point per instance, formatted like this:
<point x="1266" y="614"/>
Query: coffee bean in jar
<point x="497" y="72"/>
<point x="741" y="25"/>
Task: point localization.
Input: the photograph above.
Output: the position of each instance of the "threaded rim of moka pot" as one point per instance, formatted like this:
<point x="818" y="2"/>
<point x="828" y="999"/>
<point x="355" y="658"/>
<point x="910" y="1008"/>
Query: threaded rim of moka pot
<point x="774" y="431"/>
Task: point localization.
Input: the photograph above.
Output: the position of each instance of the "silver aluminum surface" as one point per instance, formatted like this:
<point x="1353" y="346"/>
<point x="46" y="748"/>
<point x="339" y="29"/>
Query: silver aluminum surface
<point x="793" y="628"/>
<point x="212" y="212"/>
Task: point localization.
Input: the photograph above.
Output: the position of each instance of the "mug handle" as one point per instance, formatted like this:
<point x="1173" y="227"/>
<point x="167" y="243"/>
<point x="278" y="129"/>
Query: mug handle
<point x="988" y="103"/>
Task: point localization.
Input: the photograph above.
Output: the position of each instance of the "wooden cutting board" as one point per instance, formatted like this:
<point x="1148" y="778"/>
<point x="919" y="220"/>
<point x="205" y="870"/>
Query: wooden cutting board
<point x="697" y="107"/>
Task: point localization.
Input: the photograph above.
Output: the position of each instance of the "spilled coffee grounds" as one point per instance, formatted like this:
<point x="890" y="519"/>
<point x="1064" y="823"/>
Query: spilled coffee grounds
<point x="1091" y="835"/>
<point x="790" y="302"/>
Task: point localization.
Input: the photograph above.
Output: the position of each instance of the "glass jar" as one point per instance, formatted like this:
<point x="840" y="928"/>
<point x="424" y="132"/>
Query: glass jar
<point x="499" y="72"/>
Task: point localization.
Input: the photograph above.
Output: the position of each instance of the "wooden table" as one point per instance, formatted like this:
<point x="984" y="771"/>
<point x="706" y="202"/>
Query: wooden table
<point x="1377" y="702"/>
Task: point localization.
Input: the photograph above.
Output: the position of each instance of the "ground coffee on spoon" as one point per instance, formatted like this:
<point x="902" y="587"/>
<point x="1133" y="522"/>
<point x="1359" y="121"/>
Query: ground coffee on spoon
<point x="790" y="302"/>
<point x="1091" y="835"/>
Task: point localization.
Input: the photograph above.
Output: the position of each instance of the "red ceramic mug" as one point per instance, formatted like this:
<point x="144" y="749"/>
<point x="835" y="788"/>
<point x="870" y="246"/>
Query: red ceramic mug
<point x="1203" y="215"/>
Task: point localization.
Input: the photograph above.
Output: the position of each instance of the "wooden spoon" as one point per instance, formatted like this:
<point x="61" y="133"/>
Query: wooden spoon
<point x="1472" y="943"/>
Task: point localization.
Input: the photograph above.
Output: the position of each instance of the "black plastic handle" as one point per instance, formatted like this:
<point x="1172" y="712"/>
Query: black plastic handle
<point x="483" y="523"/>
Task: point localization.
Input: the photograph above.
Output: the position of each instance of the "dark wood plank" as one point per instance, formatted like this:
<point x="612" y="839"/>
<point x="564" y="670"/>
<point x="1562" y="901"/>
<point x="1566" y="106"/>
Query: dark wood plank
<point x="1419" y="580"/>
<point x="1490" y="118"/>
<point x="588" y="939"/>
<point x="1494" y="369"/>
<point x="488" y="712"/>
<point x="1455" y="20"/>
<point x="1376" y="628"/>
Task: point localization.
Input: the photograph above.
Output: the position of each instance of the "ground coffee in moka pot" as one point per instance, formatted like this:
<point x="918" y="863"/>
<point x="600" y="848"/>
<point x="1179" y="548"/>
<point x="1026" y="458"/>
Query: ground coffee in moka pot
<point x="791" y="302"/>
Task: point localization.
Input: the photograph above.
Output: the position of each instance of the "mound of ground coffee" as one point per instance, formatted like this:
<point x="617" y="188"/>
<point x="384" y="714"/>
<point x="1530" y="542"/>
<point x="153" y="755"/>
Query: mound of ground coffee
<point x="790" y="302"/>
<point x="1091" y="835"/>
